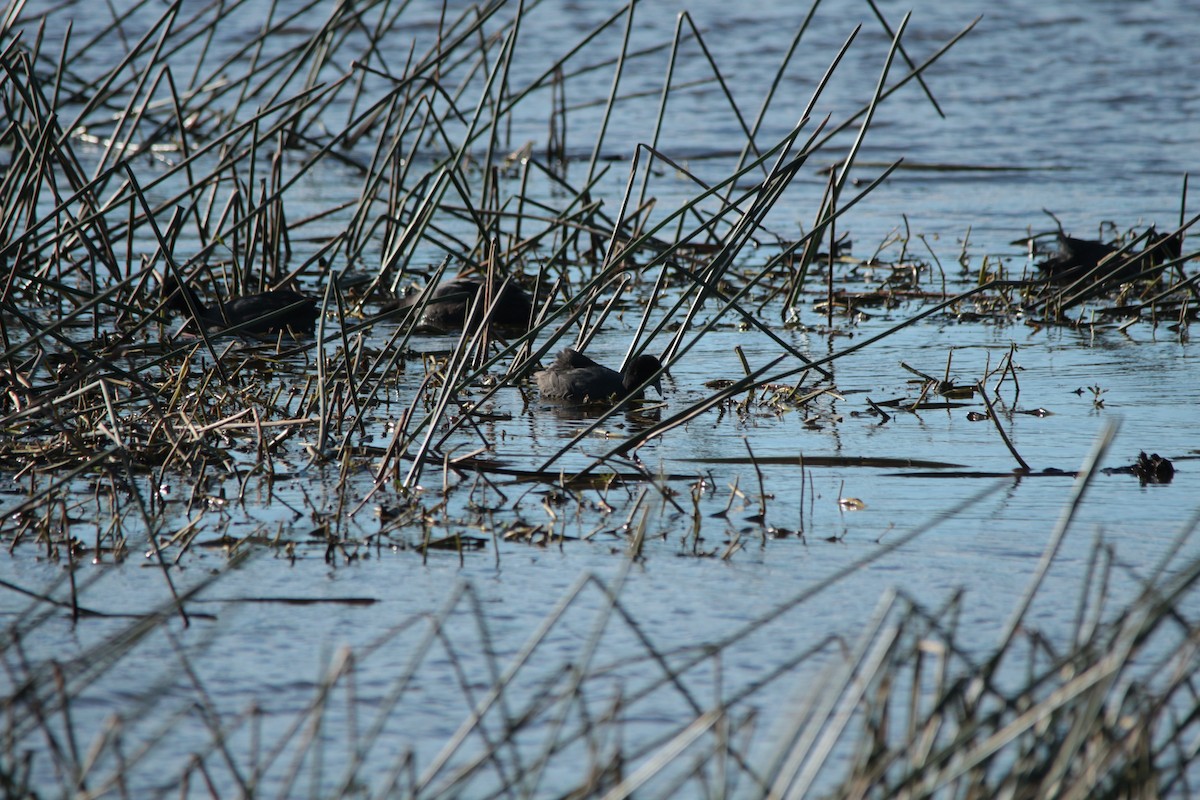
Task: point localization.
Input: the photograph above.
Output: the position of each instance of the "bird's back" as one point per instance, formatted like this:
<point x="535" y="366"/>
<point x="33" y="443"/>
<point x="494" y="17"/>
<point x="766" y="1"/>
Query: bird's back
<point x="574" y="376"/>
<point x="269" y="312"/>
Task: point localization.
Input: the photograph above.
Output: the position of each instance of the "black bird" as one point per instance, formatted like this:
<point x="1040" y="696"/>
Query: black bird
<point x="1153" y="468"/>
<point x="1162" y="247"/>
<point x="1075" y="258"/>
<point x="266" y="313"/>
<point x="450" y="302"/>
<point x="575" y="377"/>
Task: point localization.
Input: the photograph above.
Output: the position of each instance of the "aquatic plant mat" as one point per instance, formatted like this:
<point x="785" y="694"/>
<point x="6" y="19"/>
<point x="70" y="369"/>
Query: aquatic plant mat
<point x="360" y="152"/>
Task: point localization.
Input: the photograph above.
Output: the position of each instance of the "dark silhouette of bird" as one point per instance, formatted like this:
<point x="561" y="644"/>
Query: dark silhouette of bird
<point x="575" y="377"/>
<point x="1162" y="247"/>
<point x="265" y="313"/>
<point x="1074" y="259"/>
<point x="450" y="302"/>
<point x="1078" y="257"/>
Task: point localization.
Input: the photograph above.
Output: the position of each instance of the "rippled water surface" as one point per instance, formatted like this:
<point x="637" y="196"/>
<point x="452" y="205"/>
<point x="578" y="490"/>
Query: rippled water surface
<point x="1087" y="109"/>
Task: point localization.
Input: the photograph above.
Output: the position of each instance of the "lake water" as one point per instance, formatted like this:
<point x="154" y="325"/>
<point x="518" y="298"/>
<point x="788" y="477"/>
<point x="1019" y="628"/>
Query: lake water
<point x="1087" y="109"/>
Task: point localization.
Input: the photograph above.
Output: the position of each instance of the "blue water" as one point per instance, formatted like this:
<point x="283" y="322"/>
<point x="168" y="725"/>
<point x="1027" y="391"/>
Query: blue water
<point x="1092" y="107"/>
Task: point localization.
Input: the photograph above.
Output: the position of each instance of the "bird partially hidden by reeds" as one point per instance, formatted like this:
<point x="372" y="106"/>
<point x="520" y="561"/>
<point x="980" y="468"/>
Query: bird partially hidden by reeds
<point x="265" y="313"/>
<point x="1077" y="258"/>
<point x="449" y="304"/>
<point x="575" y="378"/>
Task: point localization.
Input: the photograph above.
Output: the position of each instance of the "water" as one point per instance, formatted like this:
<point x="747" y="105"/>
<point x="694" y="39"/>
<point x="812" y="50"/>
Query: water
<point x="1092" y="106"/>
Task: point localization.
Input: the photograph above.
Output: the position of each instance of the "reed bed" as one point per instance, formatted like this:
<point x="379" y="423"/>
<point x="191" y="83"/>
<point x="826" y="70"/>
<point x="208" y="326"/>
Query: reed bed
<point x="187" y="155"/>
<point x="178" y="159"/>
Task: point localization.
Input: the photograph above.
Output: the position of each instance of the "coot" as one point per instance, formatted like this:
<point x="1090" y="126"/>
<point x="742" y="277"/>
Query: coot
<point x="451" y="301"/>
<point x="1075" y="258"/>
<point x="269" y="312"/>
<point x="1162" y="247"/>
<point x="575" y="377"/>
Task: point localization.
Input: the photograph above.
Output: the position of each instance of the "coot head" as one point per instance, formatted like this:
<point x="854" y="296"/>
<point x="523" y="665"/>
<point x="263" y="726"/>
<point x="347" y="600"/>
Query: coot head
<point x="176" y="297"/>
<point x="1163" y="247"/>
<point x="640" y="371"/>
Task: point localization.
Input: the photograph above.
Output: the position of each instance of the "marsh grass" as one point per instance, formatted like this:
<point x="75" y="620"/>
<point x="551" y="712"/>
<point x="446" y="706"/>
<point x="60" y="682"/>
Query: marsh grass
<point x="912" y="704"/>
<point x="182" y="152"/>
<point x="179" y="159"/>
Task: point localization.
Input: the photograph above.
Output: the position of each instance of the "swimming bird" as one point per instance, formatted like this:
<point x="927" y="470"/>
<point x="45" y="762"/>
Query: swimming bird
<point x="450" y="302"/>
<point x="575" y="377"/>
<point x="1075" y="258"/>
<point x="268" y="312"/>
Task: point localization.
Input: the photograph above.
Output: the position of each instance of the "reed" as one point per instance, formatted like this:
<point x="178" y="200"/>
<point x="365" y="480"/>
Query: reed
<point x="910" y="707"/>
<point x="194" y="150"/>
